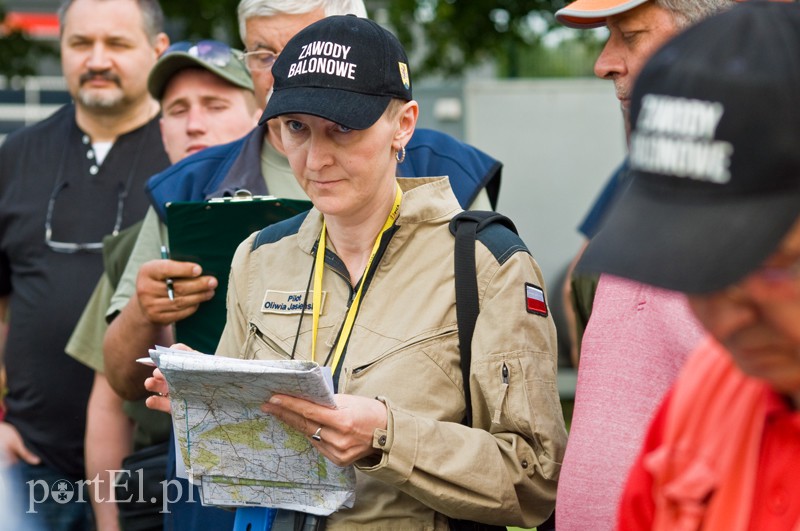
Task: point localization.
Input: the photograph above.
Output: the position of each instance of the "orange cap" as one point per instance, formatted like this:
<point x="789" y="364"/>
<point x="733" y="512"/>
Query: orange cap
<point x="585" y="14"/>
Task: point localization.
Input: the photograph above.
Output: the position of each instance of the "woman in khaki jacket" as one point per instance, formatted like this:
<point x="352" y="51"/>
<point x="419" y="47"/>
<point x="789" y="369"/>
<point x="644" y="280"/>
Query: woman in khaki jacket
<point x="378" y="306"/>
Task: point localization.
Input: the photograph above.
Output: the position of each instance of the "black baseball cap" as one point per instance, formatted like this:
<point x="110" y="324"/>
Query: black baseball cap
<point x="714" y="154"/>
<point x="342" y="68"/>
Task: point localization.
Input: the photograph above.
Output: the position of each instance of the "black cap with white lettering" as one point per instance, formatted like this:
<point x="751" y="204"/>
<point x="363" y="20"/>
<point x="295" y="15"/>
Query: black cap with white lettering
<point x="714" y="155"/>
<point x="342" y="68"/>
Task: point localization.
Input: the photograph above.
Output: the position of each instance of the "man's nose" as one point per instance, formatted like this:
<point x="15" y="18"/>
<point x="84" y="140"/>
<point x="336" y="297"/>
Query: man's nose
<point x="196" y="120"/>
<point x="99" y="58"/>
<point x="610" y="63"/>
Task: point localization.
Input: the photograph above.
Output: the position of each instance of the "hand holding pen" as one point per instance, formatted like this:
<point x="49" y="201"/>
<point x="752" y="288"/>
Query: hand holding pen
<point x="187" y="288"/>
<point x="170" y="283"/>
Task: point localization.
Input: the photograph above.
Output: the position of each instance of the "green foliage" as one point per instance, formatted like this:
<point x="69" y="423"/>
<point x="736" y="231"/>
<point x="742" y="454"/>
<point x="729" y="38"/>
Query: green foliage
<point x="569" y="58"/>
<point x="443" y="37"/>
<point x="448" y="36"/>
<point x="19" y="53"/>
<point x="203" y="19"/>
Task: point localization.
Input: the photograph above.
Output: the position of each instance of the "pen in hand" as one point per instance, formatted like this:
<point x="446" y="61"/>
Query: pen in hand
<point x="170" y="284"/>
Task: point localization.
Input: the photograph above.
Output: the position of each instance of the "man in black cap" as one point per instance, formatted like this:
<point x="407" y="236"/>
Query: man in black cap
<point x="713" y="210"/>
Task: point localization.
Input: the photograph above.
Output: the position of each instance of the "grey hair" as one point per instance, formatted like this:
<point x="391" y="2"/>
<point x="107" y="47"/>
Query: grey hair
<point x="266" y="8"/>
<point x="152" y="17"/>
<point x="688" y="12"/>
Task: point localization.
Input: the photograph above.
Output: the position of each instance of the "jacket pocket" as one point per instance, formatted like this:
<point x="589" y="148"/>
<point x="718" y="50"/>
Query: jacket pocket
<point x="421" y="376"/>
<point x="528" y="404"/>
<point x="259" y="346"/>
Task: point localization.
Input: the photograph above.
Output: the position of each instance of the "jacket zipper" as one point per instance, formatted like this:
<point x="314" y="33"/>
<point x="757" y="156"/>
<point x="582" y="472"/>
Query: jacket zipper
<point x="498" y="411"/>
<point x="254" y="333"/>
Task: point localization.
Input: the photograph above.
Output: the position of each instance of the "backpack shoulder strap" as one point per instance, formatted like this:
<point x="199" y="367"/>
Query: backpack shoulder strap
<point x="465" y="227"/>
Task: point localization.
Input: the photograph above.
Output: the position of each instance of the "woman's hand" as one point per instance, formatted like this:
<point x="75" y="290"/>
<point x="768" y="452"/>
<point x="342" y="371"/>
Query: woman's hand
<point x="160" y="400"/>
<point x="158" y="384"/>
<point x="344" y="434"/>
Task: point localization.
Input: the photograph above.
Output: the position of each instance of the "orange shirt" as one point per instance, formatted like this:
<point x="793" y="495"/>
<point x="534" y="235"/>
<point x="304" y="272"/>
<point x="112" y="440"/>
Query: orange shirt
<point x="775" y="504"/>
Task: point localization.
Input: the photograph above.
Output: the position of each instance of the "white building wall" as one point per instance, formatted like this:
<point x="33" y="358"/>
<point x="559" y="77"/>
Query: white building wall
<point x="559" y="141"/>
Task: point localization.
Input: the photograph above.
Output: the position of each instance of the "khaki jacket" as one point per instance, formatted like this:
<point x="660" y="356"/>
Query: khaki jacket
<point x="404" y="349"/>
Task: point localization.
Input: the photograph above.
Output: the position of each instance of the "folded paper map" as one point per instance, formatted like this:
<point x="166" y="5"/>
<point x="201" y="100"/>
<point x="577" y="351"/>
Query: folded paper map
<point x="239" y="455"/>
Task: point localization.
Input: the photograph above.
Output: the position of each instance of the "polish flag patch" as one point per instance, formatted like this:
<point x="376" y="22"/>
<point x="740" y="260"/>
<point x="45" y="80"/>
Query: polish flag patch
<point x="534" y="300"/>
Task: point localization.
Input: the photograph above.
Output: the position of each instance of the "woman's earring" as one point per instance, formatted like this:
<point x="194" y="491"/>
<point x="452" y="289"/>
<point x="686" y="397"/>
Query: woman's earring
<point x="400" y="155"/>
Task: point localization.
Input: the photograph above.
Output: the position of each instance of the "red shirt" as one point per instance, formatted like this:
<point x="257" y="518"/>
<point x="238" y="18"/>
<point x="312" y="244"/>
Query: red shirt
<point x="776" y="504"/>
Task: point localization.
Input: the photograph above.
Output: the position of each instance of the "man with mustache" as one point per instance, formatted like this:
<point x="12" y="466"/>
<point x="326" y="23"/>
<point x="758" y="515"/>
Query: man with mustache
<point x="206" y="97"/>
<point x="64" y="184"/>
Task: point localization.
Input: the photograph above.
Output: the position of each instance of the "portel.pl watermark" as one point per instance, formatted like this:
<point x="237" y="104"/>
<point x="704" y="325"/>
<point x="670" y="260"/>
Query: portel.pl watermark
<point x="91" y="490"/>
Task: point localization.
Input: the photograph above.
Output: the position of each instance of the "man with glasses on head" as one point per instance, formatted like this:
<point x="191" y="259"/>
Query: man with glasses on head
<point x="64" y="184"/>
<point x="206" y="97"/>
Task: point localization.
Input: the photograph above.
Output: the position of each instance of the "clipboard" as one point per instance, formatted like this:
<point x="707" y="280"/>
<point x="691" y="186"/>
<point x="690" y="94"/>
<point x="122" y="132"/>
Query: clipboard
<point x="208" y="233"/>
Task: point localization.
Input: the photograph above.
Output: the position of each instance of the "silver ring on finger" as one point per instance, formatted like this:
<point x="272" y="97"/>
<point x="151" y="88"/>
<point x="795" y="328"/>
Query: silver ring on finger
<point x="317" y="435"/>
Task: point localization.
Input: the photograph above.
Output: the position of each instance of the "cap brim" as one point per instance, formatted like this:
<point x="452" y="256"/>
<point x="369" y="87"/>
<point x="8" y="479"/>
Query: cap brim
<point x="586" y="14"/>
<point x="687" y="244"/>
<point x="169" y="65"/>
<point x="350" y="109"/>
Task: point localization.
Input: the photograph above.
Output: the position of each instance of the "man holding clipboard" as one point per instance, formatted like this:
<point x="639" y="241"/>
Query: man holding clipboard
<point x="207" y="233"/>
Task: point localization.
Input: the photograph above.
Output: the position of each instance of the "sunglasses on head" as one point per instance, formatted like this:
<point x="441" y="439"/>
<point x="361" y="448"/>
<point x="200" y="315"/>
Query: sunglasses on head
<point x="75" y="247"/>
<point x="212" y="52"/>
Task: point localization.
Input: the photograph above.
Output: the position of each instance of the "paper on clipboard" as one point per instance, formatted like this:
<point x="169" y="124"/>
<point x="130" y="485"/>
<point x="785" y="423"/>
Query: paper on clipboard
<point x="208" y="233"/>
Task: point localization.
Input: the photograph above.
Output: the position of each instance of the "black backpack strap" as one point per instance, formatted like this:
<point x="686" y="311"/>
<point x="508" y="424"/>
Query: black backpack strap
<point x="465" y="227"/>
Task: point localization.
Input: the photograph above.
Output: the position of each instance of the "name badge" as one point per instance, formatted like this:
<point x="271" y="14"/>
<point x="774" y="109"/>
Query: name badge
<point x="289" y="302"/>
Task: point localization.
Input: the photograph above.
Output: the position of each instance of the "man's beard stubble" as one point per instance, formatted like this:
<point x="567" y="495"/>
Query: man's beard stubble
<point x="100" y="99"/>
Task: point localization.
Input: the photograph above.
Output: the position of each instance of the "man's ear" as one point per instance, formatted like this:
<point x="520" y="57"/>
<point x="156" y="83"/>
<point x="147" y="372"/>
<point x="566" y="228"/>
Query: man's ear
<point x="161" y="44"/>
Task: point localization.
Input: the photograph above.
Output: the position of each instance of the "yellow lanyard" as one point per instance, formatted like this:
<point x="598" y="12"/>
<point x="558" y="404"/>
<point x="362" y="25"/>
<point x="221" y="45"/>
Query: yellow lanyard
<point x="319" y="266"/>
